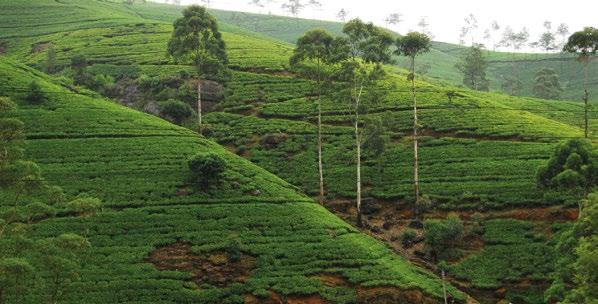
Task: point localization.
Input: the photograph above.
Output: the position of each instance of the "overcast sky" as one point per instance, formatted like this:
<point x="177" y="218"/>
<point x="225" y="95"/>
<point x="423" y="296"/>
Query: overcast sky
<point x="445" y="17"/>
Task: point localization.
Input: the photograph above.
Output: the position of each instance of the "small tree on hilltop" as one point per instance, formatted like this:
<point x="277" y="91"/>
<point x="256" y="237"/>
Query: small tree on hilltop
<point x="197" y="40"/>
<point x="206" y="168"/>
<point x="413" y="45"/>
<point x="585" y="45"/>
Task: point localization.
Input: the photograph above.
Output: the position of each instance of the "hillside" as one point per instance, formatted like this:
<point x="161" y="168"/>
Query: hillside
<point x="479" y="154"/>
<point x="126" y="158"/>
<point x="441" y="60"/>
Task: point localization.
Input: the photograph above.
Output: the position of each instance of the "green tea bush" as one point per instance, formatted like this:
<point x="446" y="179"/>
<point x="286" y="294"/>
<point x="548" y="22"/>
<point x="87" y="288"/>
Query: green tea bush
<point x="206" y="168"/>
<point x="176" y="111"/>
<point x="443" y="236"/>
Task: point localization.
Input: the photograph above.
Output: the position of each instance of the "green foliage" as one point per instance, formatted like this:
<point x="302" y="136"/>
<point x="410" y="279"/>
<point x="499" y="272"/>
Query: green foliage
<point x="408" y="237"/>
<point x="206" y="168"/>
<point x="513" y="253"/>
<point x="576" y="251"/>
<point x="473" y="65"/>
<point x="547" y="84"/>
<point x="176" y="111"/>
<point x="443" y="236"/>
<point x="583" y="43"/>
<point x="35" y="94"/>
<point x="413" y="44"/>
<point x="84" y="206"/>
<point x="572" y="166"/>
<point x="197" y="40"/>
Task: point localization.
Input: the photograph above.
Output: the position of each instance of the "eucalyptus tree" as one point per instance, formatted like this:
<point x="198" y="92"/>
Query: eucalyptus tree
<point x="469" y="29"/>
<point x="293" y="7"/>
<point x="412" y="45"/>
<point x="197" y="40"/>
<point x="342" y="15"/>
<point x="393" y="19"/>
<point x="316" y="46"/>
<point x="547" y="40"/>
<point x="585" y="45"/>
<point x="563" y="32"/>
<point x="361" y="54"/>
<point x="473" y="66"/>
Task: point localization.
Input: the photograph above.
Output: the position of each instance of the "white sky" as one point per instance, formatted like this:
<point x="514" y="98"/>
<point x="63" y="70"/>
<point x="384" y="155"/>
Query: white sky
<point x="445" y="17"/>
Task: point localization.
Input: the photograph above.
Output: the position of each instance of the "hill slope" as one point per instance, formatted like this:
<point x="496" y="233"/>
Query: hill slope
<point x="479" y="152"/>
<point x="135" y="163"/>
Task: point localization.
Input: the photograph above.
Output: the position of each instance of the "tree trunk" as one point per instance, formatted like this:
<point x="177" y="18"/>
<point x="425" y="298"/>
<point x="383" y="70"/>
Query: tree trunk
<point x="320" y="166"/>
<point x="358" y="151"/>
<point x="199" y="105"/>
<point x="444" y="287"/>
<point x="586" y="96"/>
<point x="415" y="143"/>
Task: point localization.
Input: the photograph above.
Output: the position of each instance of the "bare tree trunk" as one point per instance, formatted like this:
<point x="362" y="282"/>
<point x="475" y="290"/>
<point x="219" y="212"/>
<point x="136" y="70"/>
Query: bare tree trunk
<point x="358" y="147"/>
<point x="444" y="287"/>
<point x="320" y="166"/>
<point x="415" y="143"/>
<point x="586" y="96"/>
<point x="199" y="105"/>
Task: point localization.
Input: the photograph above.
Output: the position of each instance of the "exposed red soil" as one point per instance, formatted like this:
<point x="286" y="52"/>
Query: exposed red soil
<point x="215" y="268"/>
<point x="275" y="298"/>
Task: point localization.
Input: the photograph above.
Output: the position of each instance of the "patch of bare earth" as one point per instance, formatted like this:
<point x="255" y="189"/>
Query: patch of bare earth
<point x="275" y="298"/>
<point x="215" y="268"/>
<point x="40" y="47"/>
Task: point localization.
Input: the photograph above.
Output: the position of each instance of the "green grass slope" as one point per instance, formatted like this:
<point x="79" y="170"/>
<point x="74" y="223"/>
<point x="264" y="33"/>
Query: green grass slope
<point x="136" y="164"/>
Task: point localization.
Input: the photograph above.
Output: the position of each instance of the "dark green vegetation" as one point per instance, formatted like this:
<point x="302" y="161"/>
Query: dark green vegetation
<point x="478" y="151"/>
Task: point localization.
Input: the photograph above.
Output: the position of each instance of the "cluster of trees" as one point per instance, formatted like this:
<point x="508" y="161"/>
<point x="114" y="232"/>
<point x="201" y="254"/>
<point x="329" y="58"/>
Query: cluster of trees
<point x="349" y="67"/>
<point x="33" y="267"/>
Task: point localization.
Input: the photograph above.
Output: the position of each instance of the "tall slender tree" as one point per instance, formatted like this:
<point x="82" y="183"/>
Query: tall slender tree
<point x="197" y="40"/>
<point x="585" y="45"/>
<point x="363" y="51"/>
<point x="342" y="15"/>
<point x="316" y="46"/>
<point x="413" y="45"/>
<point x="293" y="7"/>
<point x="393" y="19"/>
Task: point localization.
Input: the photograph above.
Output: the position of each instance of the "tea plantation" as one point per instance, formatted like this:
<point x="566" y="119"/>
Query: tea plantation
<point x="478" y="152"/>
<point x="135" y="164"/>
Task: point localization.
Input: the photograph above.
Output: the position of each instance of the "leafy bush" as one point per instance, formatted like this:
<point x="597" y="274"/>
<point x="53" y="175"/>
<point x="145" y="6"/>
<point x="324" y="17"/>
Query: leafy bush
<point x="206" y="168"/>
<point x="176" y="111"/>
<point x="84" y="206"/>
<point x="35" y="95"/>
<point x="572" y="166"/>
<point x="408" y="237"/>
<point x="443" y="236"/>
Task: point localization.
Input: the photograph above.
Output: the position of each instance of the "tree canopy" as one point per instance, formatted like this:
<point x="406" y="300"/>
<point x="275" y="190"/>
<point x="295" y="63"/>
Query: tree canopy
<point x="197" y="40"/>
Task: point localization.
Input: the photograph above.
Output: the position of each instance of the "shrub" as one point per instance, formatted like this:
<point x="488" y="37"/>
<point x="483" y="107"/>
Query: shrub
<point x="572" y="166"/>
<point x="176" y="111"/>
<point x="233" y="249"/>
<point x="206" y="168"/>
<point x="443" y="236"/>
<point x="408" y="237"/>
<point x="35" y="96"/>
<point x="84" y="206"/>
